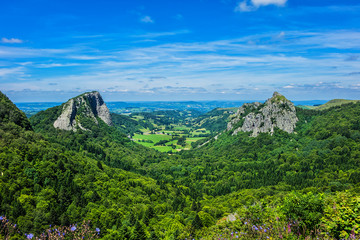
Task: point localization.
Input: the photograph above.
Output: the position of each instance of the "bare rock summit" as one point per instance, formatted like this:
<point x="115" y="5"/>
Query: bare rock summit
<point x="85" y="107"/>
<point x="276" y="112"/>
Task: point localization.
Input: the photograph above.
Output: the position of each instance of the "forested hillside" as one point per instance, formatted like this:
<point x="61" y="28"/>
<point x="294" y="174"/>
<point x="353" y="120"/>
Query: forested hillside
<point x="280" y="185"/>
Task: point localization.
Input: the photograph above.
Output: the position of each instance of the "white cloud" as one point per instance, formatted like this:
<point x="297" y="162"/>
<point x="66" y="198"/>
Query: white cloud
<point x="244" y="7"/>
<point x="281" y="35"/>
<point x="199" y="64"/>
<point x="11" y="71"/>
<point x="259" y="3"/>
<point x="20" y="52"/>
<point x="52" y="65"/>
<point x="146" y="19"/>
<point x="11" y="40"/>
<point x="162" y="34"/>
<point x="253" y="5"/>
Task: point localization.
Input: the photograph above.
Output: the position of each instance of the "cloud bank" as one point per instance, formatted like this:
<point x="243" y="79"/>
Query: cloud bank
<point x="253" y="5"/>
<point x="146" y="19"/>
<point x="11" y="40"/>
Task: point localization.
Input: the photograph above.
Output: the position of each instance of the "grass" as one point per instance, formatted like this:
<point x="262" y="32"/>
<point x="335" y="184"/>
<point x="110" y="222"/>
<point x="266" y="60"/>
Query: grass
<point x="158" y="137"/>
<point x="194" y="139"/>
<point x="153" y="137"/>
<point x="163" y="148"/>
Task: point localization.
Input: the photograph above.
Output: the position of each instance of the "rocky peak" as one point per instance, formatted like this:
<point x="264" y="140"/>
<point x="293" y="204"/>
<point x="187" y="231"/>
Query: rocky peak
<point x="277" y="111"/>
<point x="87" y="106"/>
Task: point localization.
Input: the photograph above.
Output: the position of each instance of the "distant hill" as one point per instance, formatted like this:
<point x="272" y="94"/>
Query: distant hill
<point x="10" y="113"/>
<point x="334" y="103"/>
<point x="329" y="104"/>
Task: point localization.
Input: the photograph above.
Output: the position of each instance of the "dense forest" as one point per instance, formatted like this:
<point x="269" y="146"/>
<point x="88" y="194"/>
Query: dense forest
<point x="97" y="183"/>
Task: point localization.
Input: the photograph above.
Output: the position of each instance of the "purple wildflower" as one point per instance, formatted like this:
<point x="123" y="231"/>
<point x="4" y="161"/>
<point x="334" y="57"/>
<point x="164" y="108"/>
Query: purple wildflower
<point x="73" y="228"/>
<point x="30" y="236"/>
<point x="97" y="229"/>
<point x="1" y="217"/>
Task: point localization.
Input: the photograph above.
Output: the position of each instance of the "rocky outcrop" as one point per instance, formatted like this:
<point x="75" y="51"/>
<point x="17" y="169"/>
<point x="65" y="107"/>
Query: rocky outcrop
<point x="88" y="106"/>
<point x="276" y="112"/>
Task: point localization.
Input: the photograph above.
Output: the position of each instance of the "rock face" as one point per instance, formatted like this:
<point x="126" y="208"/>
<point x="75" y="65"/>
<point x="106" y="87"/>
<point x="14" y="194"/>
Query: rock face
<point x="86" y="106"/>
<point x="277" y="111"/>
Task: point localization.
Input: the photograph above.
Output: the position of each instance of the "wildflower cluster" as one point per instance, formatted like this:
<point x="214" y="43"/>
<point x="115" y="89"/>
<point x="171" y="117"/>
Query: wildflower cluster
<point x="252" y="229"/>
<point x="77" y="232"/>
<point x="7" y="229"/>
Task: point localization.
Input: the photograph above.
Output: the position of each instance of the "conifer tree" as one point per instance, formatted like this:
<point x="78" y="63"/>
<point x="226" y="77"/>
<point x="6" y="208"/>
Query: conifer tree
<point x="139" y="232"/>
<point x="194" y="206"/>
<point x="196" y="223"/>
<point x="132" y="219"/>
<point x="100" y="165"/>
<point x="149" y="214"/>
<point x="153" y="235"/>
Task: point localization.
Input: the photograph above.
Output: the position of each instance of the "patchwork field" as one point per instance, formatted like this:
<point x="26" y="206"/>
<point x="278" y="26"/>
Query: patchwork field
<point x="168" y="142"/>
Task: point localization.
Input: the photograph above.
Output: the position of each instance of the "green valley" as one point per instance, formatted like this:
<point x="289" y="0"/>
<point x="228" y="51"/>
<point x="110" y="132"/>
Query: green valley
<point x="261" y="171"/>
<point x="166" y="131"/>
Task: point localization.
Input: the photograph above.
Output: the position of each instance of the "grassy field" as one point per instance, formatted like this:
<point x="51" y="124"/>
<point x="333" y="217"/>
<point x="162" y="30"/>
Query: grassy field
<point x="149" y="140"/>
<point x="152" y="137"/>
<point x="167" y="129"/>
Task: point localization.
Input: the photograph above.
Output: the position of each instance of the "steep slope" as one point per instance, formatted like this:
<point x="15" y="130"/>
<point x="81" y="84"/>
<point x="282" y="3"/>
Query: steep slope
<point x="276" y="112"/>
<point x="59" y="178"/>
<point x="326" y="144"/>
<point x="104" y="142"/>
<point x="10" y="113"/>
<point x="77" y="111"/>
<point x="215" y="120"/>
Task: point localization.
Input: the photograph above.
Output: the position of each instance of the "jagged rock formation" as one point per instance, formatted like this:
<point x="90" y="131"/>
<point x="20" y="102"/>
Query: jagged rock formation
<point x="277" y="111"/>
<point x="86" y="106"/>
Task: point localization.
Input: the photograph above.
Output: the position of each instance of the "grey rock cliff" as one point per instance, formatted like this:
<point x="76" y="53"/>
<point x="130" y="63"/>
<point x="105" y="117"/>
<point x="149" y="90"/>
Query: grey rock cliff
<point x="88" y="105"/>
<point x="277" y="111"/>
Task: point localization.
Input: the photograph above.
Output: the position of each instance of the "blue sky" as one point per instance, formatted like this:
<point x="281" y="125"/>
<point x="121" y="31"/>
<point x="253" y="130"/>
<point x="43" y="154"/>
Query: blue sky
<point x="180" y="49"/>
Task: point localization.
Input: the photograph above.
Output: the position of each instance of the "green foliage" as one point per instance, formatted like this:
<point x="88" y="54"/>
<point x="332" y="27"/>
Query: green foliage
<point x="10" y="113"/>
<point x="60" y="177"/>
<point x="139" y="232"/>
<point x="307" y="209"/>
<point x="43" y="183"/>
<point x="128" y="125"/>
<point x="342" y="215"/>
<point x="215" y="120"/>
<point x="334" y="103"/>
<point x="197" y="223"/>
